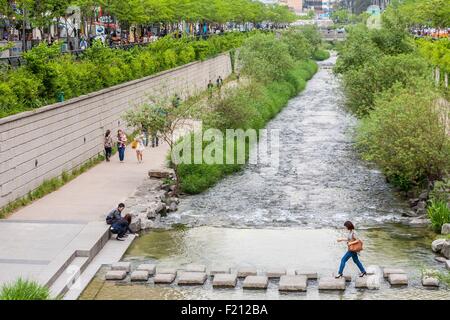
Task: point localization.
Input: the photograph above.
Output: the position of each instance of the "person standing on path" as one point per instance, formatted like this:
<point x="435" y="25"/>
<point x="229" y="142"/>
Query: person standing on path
<point x="140" y="147"/>
<point x="121" y="144"/>
<point x="108" y="143"/>
<point x="352" y="240"/>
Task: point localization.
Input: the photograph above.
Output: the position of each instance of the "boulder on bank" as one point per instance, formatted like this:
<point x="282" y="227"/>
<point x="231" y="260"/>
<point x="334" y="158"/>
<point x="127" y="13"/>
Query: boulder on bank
<point x="445" y="228"/>
<point x="445" y="251"/>
<point x="155" y="174"/>
<point x="437" y="245"/>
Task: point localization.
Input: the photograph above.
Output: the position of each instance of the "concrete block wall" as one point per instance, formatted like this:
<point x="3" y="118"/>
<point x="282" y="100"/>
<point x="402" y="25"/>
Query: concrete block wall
<point x="41" y="144"/>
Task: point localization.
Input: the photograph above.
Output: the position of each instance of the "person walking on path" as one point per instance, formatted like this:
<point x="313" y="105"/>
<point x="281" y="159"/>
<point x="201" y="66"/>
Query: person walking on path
<point x="140" y="147"/>
<point x="354" y="246"/>
<point x="115" y="215"/>
<point x="108" y="143"/>
<point x="121" y="228"/>
<point x="210" y="89"/>
<point x="121" y="144"/>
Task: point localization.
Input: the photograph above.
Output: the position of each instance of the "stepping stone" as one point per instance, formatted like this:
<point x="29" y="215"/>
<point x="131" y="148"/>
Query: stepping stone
<point x="166" y="271"/>
<point x="447" y="264"/>
<point x="429" y="281"/>
<point x="116" y="275"/>
<point x="194" y="268"/>
<point x="293" y="283"/>
<point x="192" y="278"/>
<point x="246" y="271"/>
<point x="347" y="277"/>
<point x="150" y="268"/>
<point x="398" y="279"/>
<point x="440" y="259"/>
<point x="121" y="266"/>
<point x="139" y="275"/>
<point x="275" y="273"/>
<point x="371" y="270"/>
<point x="224" y="280"/>
<point x="165" y="278"/>
<point x="368" y="282"/>
<point x="309" y="274"/>
<point x="219" y="270"/>
<point x="330" y="283"/>
<point x="388" y="271"/>
<point x="256" y="282"/>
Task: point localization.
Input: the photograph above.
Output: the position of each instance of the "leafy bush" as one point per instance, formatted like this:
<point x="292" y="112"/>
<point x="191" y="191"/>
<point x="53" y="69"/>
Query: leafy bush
<point x="439" y="214"/>
<point x="48" y="72"/>
<point x="406" y="136"/>
<point x="321" y="55"/>
<point x="441" y="191"/>
<point x="24" y="290"/>
<point x="363" y="84"/>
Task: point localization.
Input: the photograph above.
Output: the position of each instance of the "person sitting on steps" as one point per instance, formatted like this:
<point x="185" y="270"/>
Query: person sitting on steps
<point x="115" y="215"/>
<point x="121" y="228"/>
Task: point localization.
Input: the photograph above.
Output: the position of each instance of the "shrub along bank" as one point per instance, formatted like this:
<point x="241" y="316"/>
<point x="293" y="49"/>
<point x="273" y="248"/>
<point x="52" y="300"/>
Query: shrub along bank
<point x="278" y="69"/>
<point x="388" y="83"/>
<point x="48" y="74"/>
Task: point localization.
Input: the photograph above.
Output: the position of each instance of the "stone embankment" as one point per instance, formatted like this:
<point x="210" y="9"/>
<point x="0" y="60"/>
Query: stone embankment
<point x="252" y="278"/>
<point x="154" y="199"/>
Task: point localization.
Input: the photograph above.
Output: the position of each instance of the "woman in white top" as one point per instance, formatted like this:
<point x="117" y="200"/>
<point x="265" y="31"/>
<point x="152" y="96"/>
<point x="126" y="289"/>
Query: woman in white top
<point x="351" y="238"/>
<point x="140" y="147"/>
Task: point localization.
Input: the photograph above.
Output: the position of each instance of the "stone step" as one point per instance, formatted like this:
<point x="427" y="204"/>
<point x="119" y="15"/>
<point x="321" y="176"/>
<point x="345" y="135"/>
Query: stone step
<point x="69" y="276"/>
<point x="330" y="283"/>
<point x="430" y="281"/>
<point x="219" y="270"/>
<point x="126" y="266"/>
<point x="310" y="275"/>
<point x="164" y="278"/>
<point x="347" y="277"/>
<point x="246" y="271"/>
<point x="293" y="283"/>
<point x="275" y="273"/>
<point x="192" y="278"/>
<point x="388" y="271"/>
<point x="224" y="280"/>
<point x="256" y="282"/>
<point x="372" y="282"/>
<point x="398" y="279"/>
<point x="150" y="268"/>
<point x="194" y="268"/>
<point x="139" y="275"/>
<point x="116" y="275"/>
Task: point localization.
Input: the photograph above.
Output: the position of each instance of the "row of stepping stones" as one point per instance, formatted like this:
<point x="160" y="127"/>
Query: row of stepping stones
<point x="224" y="278"/>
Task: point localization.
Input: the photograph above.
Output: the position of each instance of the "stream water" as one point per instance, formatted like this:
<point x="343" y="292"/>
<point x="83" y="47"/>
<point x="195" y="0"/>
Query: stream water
<point x="291" y="217"/>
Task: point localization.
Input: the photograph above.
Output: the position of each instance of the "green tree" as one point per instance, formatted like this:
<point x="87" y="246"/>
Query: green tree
<point x="406" y="135"/>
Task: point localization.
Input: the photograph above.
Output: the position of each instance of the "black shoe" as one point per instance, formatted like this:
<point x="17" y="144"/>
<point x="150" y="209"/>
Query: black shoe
<point x="338" y="276"/>
<point x="363" y="274"/>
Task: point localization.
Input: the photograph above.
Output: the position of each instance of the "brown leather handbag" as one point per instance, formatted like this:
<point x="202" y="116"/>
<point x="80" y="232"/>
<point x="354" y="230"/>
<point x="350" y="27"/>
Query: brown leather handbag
<point x="355" y="246"/>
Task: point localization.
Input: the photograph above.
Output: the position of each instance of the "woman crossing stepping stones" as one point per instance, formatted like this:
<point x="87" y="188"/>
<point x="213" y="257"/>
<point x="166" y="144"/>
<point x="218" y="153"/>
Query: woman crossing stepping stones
<point x="354" y="246"/>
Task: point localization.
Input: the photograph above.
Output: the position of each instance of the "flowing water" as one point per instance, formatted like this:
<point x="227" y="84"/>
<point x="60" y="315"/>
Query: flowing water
<point x="290" y="217"/>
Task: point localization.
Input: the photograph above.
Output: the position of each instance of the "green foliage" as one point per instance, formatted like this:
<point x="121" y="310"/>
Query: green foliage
<point x="441" y="191"/>
<point x="48" y="72"/>
<point x="406" y="136"/>
<point x="321" y="55"/>
<point x="439" y="214"/>
<point x="266" y="58"/>
<point x="24" y="290"/>
<point x="251" y="106"/>
<point x="375" y="76"/>
<point x="299" y="46"/>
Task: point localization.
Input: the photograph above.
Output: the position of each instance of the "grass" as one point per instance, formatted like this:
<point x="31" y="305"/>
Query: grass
<point x="24" y="290"/>
<point x="439" y="214"/>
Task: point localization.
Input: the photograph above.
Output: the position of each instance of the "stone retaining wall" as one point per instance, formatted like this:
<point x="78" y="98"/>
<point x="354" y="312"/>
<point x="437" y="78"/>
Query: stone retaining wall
<point x="42" y="143"/>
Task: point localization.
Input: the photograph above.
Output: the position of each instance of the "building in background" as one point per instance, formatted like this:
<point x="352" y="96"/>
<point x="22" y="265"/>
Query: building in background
<point x="294" y="5"/>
